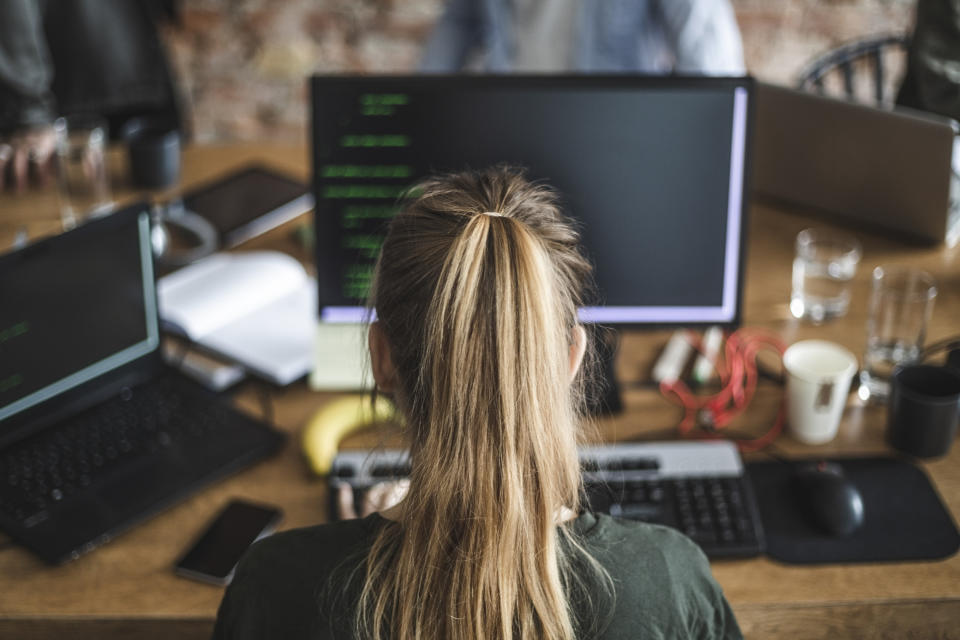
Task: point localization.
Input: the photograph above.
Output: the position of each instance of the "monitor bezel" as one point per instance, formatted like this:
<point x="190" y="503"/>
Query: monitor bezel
<point x="319" y="83"/>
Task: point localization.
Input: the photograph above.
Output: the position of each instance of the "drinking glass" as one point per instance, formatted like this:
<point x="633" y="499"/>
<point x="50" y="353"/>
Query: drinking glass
<point x="901" y="302"/>
<point x="823" y="266"/>
<point x="81" y="169"/>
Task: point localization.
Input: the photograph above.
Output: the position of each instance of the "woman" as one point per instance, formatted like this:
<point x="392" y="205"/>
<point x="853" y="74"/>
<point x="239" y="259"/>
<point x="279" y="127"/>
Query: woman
<point x="476" y="292"/>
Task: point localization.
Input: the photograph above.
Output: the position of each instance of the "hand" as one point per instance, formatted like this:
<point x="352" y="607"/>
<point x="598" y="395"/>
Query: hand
<point x="28" y="150"/>
<point x="379" y="497"/>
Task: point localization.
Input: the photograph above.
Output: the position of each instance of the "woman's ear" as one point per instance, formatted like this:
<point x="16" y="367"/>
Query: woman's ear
<point x="578" y="346"/>
<point x="384" y="373"/>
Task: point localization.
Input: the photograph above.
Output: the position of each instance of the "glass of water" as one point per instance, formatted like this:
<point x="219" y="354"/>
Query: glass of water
<point x="823" y="266"/>
<point x="81" y="168"/>
<point x="901" y="302"/>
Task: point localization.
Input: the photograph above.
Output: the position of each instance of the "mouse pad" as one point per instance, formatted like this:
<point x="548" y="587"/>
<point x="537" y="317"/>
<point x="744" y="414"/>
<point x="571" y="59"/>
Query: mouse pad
<point x="904" y="518"/>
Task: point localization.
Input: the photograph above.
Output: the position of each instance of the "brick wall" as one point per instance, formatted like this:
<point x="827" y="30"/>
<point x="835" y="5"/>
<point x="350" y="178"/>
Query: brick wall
<point x="243" y="62"/>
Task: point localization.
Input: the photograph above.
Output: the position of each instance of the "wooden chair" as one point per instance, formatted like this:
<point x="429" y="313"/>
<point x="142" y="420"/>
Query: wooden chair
<point x="849" y="62"/>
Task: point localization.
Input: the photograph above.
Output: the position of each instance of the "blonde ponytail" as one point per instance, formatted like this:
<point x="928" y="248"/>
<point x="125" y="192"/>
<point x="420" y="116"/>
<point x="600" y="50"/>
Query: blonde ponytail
<point x="479" y="311"/>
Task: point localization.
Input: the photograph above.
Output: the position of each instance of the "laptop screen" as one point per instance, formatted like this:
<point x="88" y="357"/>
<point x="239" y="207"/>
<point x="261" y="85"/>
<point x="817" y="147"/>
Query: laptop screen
<point x="75" y="307"/>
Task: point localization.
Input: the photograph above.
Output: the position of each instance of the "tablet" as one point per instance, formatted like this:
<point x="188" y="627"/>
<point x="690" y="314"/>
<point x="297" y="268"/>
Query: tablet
<point x="248" y="202"/>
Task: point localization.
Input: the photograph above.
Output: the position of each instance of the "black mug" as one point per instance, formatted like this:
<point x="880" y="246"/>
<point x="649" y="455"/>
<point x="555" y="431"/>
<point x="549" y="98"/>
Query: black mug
<point x="923" y="409"/>
<point x="154" y="152"/>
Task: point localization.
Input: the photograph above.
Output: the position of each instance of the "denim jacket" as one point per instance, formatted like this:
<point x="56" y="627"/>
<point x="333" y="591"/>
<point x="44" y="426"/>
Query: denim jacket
<point x="652" y="36"/>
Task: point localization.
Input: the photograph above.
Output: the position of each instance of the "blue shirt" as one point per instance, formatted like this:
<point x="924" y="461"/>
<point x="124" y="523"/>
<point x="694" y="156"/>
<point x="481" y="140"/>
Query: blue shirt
<point x="648" y="36"/>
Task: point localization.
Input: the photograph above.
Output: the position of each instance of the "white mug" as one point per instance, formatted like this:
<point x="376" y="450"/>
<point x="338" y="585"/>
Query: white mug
<point x="819" y="374"/>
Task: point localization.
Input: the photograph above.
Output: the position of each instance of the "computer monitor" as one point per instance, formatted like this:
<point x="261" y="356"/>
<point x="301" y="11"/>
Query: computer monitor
<point x="653" y="168"/>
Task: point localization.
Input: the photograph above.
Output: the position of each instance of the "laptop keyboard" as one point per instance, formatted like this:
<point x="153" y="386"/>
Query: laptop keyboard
<point x="699" y="488"/>
<point x="56" y="463"/>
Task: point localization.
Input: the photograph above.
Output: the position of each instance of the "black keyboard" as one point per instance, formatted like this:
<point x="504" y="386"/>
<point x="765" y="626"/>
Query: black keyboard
<point x="715" y="511"/>
<point x="122" y="459"/>
<point x="58" y="462"/>
<point x="699" y="488"/>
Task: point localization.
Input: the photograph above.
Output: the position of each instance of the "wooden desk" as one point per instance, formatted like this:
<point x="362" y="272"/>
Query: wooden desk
<point x="127" y="588"/>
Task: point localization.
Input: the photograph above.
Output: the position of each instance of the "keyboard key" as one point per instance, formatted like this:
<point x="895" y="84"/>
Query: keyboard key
<point x="704" y="536"/>
<point x="390" y="471"/>
<point x="646" y="512"/>
<point x="345" y="471"/>
<point x="588" y="466"/>
<point x="642" y="464"/>
<point x="613" y="465"/>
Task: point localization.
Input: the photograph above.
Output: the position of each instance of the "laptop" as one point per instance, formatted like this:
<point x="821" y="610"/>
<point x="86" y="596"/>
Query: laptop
<point x="96" y="432"/>
<point x="880" y="169"/>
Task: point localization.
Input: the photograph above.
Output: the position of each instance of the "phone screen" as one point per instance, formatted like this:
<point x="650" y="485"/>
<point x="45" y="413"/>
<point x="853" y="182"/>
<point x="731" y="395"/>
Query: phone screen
<point x="243" y="197"/>
<point x="215" y="555"/>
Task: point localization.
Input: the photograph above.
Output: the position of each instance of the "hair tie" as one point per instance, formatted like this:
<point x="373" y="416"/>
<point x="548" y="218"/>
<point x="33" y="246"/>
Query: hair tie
<point x="492" y="213"/>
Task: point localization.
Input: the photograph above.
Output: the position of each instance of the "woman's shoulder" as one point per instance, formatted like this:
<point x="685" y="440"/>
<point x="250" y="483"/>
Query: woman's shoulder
<point x="663" y="581"/>
<point x="281" y="579"/>
<point x="640" y="548"/>
<point x="318" y="545"/>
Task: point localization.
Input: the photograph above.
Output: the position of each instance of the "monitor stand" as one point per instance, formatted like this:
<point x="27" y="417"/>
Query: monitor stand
<point x="603" y="396"/>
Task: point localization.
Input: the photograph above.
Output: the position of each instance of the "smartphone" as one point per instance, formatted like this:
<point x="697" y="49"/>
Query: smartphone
<point x="214" y="556"/>
<point x="248" y="202"/>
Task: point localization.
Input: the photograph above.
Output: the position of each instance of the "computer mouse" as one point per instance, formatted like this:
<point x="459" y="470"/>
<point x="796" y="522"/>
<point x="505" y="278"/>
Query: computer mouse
<point x="827" y="498"/>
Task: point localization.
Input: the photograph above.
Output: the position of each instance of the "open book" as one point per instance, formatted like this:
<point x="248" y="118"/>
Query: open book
<point x="257" y="309"/>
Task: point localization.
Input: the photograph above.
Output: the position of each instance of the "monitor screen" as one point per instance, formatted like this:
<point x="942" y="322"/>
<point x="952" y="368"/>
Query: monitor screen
<point x="653" y="170"/>
<point x="75" y="307"/>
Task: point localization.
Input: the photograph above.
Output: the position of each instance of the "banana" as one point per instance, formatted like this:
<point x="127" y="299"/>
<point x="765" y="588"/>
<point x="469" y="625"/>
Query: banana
<point x="334" y="421"/>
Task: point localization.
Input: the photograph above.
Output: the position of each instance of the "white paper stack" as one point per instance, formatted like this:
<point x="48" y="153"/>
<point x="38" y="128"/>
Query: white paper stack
<point x="258" y="309"/>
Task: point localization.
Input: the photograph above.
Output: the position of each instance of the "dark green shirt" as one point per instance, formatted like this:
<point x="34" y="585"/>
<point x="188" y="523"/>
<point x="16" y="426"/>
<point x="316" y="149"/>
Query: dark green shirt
<point x="292" y="585"/>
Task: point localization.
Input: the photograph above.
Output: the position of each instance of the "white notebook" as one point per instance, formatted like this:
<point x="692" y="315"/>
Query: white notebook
<point x="258" y="309"/>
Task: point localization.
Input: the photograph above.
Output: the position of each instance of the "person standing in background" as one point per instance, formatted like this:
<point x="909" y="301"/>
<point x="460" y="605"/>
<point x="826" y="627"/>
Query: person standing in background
<point x="59" y="57"/>
<point x="649" y="36"/>
<point x="932" y="80"/>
